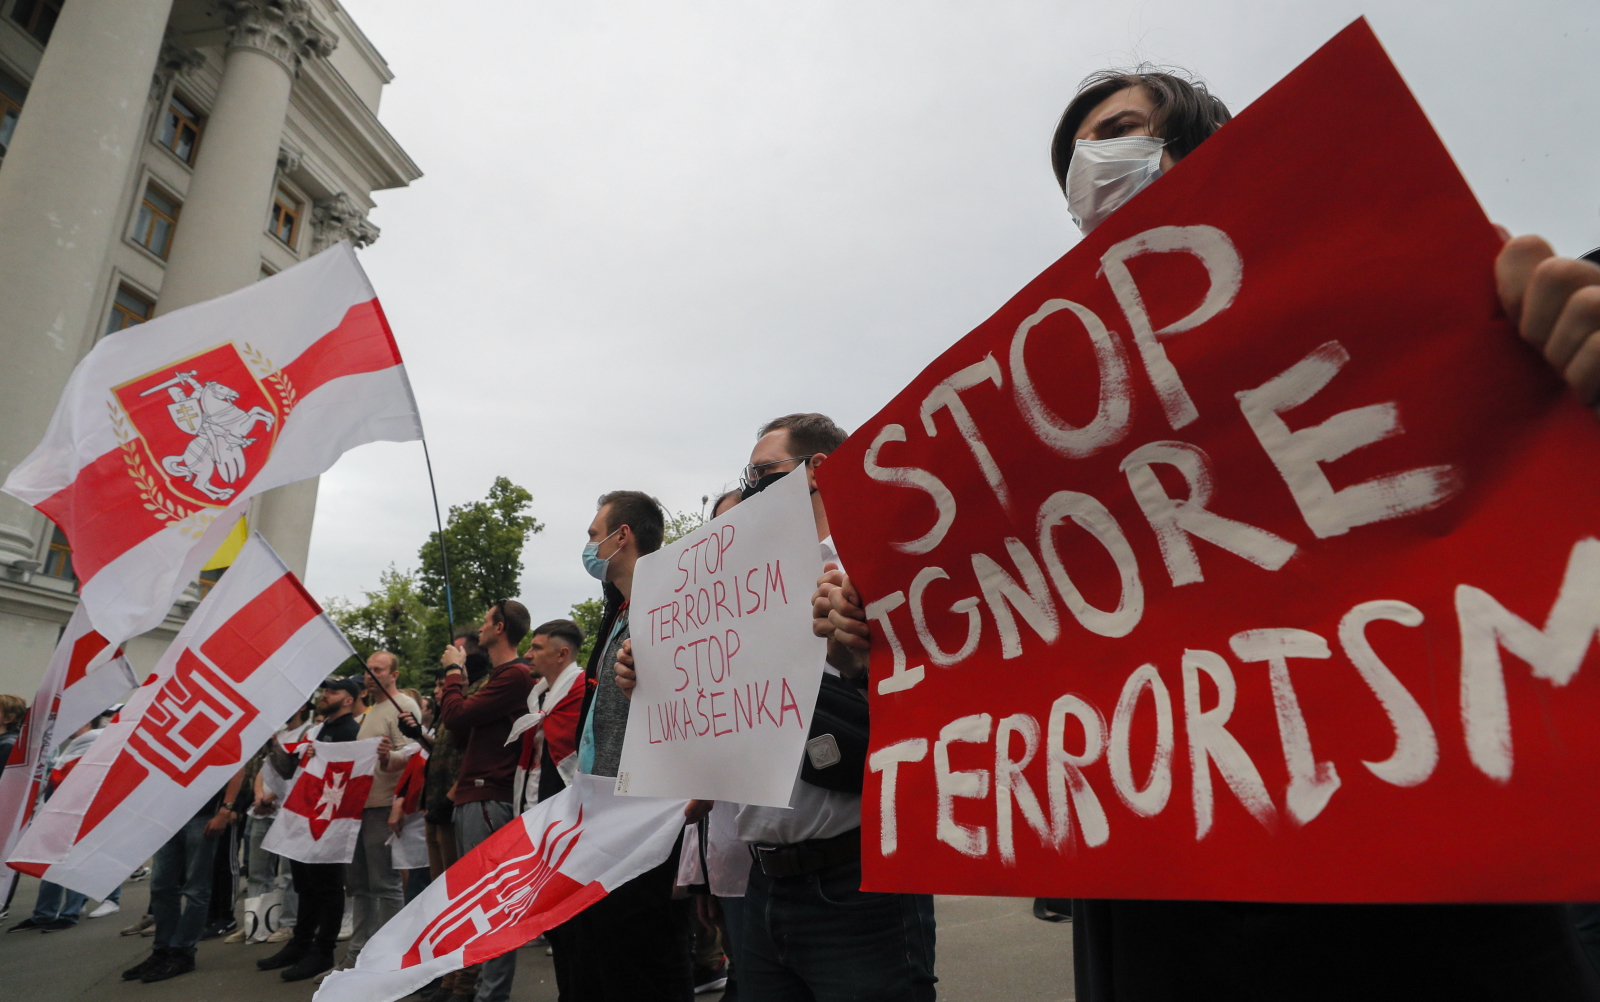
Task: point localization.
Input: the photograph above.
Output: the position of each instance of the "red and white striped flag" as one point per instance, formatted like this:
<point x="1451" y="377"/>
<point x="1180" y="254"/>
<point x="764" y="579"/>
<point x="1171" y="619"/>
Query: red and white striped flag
<point x="320" y="819"/>
<point x="85" y="677"/>
<point x="164" y="433"/>
<point x="253" y="651"/>
<point x="533" y="874"/>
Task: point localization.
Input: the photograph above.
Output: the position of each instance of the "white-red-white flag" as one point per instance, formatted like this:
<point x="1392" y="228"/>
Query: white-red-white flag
<point x="320" y="820"/>
<point x="535" y="873"/>
<point x="163" y="434"/>
<point x="86" y="676"/>
<point x="253" y="651"/>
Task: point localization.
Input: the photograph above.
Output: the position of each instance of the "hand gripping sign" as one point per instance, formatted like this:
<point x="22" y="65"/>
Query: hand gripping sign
<point x="1245" y="554"/>
<point x="531" y="875"/>
<point x="728" y="666"/>
<point x="253" y="651"/>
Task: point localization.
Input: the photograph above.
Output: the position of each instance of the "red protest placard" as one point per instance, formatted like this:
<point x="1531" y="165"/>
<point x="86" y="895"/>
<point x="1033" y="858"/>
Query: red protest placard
<point x="1245" y="553"/>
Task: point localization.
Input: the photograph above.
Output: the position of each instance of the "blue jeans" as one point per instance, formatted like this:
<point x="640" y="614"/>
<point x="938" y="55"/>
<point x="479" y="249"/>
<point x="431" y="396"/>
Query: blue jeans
<point x="55" y="902"/>
<point x="475" y="822"/>
<point x="818" y="937"/>
<point x="180" y="886"/>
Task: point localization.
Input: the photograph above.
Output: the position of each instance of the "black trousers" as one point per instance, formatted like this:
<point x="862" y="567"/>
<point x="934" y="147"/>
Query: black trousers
<point x="655" y="967"/>
<point x="321" y="890"/>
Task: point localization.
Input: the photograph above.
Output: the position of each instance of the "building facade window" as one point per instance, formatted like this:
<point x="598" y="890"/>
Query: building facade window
<point x="58" y="559"/>
<point x="208" y="580"/>
<point x="286" y="212"/>
<point x="12" y="94"/>
<point x="180" y="129"/>
<point x="158" y="218"/>
<point x="127" y="309"/>
<point x="37" y="17"/>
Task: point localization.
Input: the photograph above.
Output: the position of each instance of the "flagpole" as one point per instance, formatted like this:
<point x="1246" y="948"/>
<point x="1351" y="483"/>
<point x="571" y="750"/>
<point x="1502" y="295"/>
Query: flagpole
<point x="449" y="607"/>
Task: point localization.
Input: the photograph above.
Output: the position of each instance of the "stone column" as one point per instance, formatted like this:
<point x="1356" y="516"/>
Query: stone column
<point x="60" y="186"/>
<point x="217" y="247"/>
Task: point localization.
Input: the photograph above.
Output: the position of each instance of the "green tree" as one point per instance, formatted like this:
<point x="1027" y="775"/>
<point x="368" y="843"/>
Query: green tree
<point x="681" y="524"/>
<point x="392" y="618"/>
<point x="484" y="541"/>
<point x="588" y="615"/>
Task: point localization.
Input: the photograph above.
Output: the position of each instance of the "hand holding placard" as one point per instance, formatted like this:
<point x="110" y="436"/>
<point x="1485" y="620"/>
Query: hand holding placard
<point x="724" y="665"/>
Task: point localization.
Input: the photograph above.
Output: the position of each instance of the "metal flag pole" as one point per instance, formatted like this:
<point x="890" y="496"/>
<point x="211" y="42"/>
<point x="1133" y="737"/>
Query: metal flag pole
<point x="449" y="605"/>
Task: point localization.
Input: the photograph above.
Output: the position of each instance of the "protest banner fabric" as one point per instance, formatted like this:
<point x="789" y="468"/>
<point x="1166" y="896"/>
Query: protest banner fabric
<point x="728" y="666"/>
<point x="160" y="439"/>
<point x="533" y="874"/>
<point x="86" y="675"/>
<point x="320" y="820"/>
<point x="254" y="650"/>
<point x="1245" y="554"/>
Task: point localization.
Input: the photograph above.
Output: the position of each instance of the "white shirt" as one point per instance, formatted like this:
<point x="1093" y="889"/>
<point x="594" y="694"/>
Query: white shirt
<point x="812" y="812"/>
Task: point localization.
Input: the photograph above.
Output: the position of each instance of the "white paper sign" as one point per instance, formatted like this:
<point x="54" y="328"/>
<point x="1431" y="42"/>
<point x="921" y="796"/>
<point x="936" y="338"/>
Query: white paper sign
<point x="728" y="666"/>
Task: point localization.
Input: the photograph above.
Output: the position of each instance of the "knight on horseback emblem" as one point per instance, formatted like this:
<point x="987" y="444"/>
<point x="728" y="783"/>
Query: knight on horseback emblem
<point x="196" y="431"/>
<point x="219" y="425"/>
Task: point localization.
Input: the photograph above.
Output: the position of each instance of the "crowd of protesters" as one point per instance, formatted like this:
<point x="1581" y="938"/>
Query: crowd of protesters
<point x="763" y="902"/>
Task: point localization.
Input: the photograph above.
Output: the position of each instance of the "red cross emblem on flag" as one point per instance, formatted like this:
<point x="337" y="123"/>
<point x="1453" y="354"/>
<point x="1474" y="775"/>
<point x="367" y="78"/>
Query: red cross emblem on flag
<point x="323" y="797"/>
<point x="529" y="878"/>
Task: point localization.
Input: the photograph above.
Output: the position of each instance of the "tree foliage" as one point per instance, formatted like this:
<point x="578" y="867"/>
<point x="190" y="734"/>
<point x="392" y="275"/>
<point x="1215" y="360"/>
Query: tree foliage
<point x="681" y="524"/>
<point x="484" y="543"/>
<point x="406" y="614"/>
<point x="392" y="618"/>
<point x="588" y="615"/>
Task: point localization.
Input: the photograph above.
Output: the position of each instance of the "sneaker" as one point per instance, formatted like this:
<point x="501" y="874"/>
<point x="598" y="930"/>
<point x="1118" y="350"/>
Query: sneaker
<point x="136" y="972"/>
<point x="711" y="979"/>
<point x="139" y="874"/>
<point x="282" y="934"/>
<point x="27" y="923"/>
<point x="174" y="965"/>
<point x="238" y="936"/>
<point x="146" y="921"/>
<point x="106" y="908"/>
<point x="310" y="965"/>
<point x="58" y="924"/>
<point x="221" y="927"/>
<point x="347" y="924"/>
<point x="286" y="957"/>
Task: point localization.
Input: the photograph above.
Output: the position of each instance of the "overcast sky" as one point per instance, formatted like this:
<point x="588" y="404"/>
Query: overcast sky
<point x="646" y="228"/>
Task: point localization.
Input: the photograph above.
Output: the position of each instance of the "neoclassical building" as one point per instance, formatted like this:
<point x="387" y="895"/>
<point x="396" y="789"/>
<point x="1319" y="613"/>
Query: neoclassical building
<point x="154" y="154"/>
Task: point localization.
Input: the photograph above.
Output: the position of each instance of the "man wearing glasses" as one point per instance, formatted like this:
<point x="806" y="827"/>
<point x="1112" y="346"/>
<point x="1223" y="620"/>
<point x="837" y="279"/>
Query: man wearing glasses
<point x="838" y="941"/>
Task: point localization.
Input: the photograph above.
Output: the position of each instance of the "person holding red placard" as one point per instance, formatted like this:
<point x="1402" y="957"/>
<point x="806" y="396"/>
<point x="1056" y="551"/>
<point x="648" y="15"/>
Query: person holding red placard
<point x="1121" y="131"/>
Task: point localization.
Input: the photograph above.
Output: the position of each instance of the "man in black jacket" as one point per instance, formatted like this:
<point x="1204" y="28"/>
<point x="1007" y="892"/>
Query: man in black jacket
<point x="319" y="885"/>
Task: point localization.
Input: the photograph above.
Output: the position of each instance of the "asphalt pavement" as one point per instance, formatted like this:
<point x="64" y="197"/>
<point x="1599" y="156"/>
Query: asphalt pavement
<point x="989" y="950"/>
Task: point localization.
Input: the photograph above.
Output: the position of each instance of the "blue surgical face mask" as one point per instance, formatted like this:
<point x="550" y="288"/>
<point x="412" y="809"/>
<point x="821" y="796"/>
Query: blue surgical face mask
<point x="593" y="562"/>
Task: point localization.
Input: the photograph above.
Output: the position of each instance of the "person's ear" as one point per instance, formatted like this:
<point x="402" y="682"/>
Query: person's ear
<point x="811" y="469"/>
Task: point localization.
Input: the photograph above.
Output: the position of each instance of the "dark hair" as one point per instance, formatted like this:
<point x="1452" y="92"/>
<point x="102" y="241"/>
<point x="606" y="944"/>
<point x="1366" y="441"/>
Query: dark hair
<point x="1186" y="113"/>
<point x="736" y="494"/>
<point x="513" y="615"/>
<point x="563" y="629"/>
<point x="809" y="434"/>
<point x="639" y="512"/>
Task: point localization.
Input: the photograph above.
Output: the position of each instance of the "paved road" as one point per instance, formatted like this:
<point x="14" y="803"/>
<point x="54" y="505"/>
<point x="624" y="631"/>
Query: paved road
<point x="990" y="950"/>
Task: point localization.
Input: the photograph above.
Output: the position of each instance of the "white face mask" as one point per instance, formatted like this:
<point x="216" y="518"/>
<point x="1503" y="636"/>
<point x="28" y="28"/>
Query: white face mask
<point x="1104" y="173"/>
